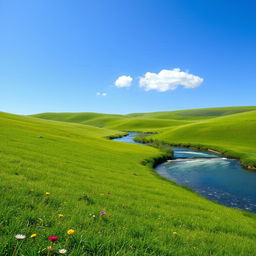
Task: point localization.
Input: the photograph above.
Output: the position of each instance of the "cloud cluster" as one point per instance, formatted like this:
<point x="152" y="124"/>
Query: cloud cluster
<point x="101" y="94"/>
<point x="167" y="80"/>
<point x="123" y="81"/>
<point x="163" y="81"/>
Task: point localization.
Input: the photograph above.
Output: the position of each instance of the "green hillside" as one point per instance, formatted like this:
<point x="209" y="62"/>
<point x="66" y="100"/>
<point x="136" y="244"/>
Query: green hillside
<point x="191" y="114"/>
<point x="75" y="117"/>
<point x="234" y="135"/>
<point x="194" y="114"/>
<point x="231" y="129"/>
<point x="116" y="122"/>
<point x="85" y="174"/>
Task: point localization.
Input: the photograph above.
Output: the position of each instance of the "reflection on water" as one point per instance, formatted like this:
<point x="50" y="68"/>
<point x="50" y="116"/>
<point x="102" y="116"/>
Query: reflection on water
<point x="215" y="177"/>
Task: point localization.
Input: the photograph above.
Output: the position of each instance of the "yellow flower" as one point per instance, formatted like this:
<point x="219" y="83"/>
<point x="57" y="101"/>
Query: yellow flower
<point x="71" y="232"/>
<point x="174" y="234"/>
<point x="47" y="193"/>
<point x="60" y="215"/>
<point x="33" y="235"/>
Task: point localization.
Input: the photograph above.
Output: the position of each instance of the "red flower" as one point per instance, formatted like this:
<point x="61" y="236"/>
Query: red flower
<point x="53" y="238"/>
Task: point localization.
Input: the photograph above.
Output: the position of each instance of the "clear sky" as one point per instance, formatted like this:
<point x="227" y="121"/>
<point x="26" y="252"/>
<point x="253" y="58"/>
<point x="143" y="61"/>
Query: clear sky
<point x="65" y="56"/>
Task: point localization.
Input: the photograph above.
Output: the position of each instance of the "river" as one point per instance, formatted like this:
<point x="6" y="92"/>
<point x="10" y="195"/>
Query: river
<point x="215" y="177"/>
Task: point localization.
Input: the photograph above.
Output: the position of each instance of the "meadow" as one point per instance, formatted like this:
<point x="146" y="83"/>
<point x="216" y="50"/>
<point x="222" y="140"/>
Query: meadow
<point x="229" y="130"/>
<point x="59" y="172"/>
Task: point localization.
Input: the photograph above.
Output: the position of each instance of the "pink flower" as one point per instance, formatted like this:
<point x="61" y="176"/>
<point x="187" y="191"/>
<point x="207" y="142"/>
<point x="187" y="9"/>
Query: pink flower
<point x="102" y="213"/>
<point x="53" y="238"/>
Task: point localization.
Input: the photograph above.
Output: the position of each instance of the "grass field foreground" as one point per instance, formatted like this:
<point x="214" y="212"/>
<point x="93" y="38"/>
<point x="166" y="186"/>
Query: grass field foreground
<point x="50" y="169"/>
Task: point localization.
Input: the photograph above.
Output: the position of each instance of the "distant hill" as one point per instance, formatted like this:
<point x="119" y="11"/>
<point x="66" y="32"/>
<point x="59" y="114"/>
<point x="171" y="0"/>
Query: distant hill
<point x="229" y="129"/>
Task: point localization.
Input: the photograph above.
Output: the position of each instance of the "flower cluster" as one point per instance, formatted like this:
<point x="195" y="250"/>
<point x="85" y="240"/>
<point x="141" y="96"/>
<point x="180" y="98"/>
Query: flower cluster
<point x="53" y="239"/>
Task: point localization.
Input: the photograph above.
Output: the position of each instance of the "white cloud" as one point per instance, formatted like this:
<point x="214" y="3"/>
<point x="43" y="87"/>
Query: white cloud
<point x="167" y="80"/>
<point x="101" y="94"/>
<point x="123" y="81"/>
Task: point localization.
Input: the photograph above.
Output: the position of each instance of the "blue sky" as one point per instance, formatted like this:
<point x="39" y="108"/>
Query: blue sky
<point x="55" y="56"/>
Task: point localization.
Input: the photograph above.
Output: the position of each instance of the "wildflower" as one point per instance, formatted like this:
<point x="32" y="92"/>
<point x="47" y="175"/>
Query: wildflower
<point x="47" y="193"/>
<point x="110" y="215"/>
<point x="174" y="234"/>
<point x="93" y="215"/>
<point x="60" y="215"/>
<point x="33" y="235"/>
<point x="53" y="238"/>
<point x="62" y="251"/>
<point x="71" y="232"/>
<point x="50" y="249"/>
<point x="20" y="236"/>
<point x="102" y="213"/>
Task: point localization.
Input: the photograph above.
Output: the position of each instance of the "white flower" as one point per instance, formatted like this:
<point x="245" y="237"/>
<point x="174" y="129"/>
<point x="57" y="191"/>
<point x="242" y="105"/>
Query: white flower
<point x="20" y="236"/>
<point x="62" y="251"/>
<point x="93" y="216"/>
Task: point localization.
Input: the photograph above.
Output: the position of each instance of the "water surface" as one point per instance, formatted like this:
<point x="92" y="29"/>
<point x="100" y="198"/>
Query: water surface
<point x="215" y="177"/>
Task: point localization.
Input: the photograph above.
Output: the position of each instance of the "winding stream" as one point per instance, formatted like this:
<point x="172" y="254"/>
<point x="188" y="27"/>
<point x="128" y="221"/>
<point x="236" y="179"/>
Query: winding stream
<point x="215" y="177"/>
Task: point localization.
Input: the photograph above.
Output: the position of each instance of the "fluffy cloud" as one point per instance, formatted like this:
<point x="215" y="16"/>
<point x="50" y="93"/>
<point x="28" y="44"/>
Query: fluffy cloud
<point x="167" y="80"/>
<point x="123" y="81"/>
<point x="101" y="94"/>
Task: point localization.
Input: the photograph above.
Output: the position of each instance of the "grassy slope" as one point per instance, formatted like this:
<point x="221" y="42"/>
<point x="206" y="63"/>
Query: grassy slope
<point x="191" y="114"/>
<point x="74" y="117"/>
<point x="194" y="114"/>
<point x="233" y="134"/>
<point x="117" y="122"/>
<point x="78" y="167"/>
<point x="231" y="129"/>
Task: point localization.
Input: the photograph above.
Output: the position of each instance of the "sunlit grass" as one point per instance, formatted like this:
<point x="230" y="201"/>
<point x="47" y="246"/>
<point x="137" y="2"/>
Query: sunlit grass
<point x="56" y="177"/>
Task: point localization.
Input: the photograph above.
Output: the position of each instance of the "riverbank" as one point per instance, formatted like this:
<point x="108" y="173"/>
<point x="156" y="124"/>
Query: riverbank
<point x="229" y="130"/>
<point x="204" y="171"/>
<point x="117" y="135"/>
<point x="216" y="150"/>
<point x="166" y="151"/>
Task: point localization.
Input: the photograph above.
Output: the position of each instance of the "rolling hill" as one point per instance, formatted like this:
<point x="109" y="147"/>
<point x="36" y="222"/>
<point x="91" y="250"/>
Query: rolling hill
<point x="84" y="174"/>
<point x="230" y="130"/>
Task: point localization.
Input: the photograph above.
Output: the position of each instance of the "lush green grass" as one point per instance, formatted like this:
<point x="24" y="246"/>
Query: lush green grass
<point x="234" y="135"/>
<point x="231" y="130"/>
<point x="117" y="122"/>
<point x="194" y="114"/>
<point x="86" y="174"/>
<point x="185" y="115"/>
